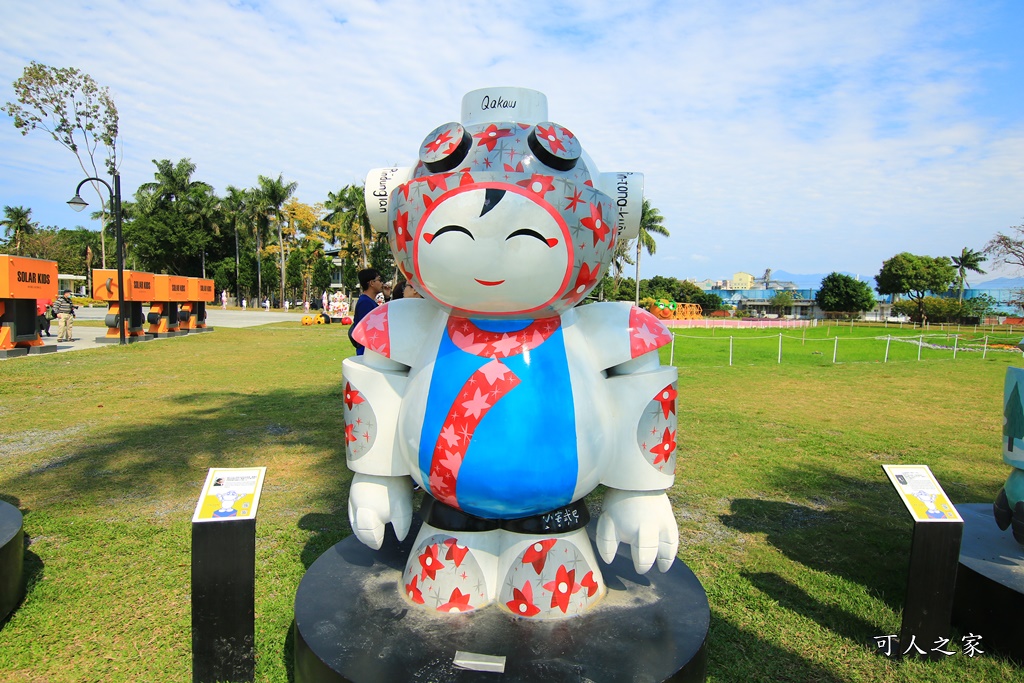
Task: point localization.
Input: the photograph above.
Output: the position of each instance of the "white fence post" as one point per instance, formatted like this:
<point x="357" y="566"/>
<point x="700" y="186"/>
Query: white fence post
<point x="920" y="345"/>
<point x="984" y="351"/>
<point x="780" y="348"/>
<point x="956" y="339"/>
<point x="835" y="349"/>
<point x="888" y="341"/>
<point x="730" y="350"/>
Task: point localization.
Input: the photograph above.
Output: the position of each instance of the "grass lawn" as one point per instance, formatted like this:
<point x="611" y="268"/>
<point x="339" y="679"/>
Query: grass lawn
<point x="785" y="514"/>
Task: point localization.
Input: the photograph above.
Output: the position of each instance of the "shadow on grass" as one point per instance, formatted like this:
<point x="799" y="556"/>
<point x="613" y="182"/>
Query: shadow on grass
<point x="201" y="430"/>
<point x="864" y="545"/>
<point x="326" y="530"/>
<point x="735" y="654"/>
<point x="32" y="567"/>
<point x="288" y="652"/>
<point x="831" y="617"/>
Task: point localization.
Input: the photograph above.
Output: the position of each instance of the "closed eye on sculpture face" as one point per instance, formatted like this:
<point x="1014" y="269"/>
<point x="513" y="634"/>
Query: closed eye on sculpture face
<point x="533" y="233"/>
<point x="448" y="228"/>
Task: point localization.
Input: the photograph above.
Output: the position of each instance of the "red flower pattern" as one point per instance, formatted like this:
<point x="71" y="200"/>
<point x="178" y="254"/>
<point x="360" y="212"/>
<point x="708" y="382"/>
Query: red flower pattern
<point x="456" y="553"/>
<point x="590" y="584"/>
<point x="489" y="137"/>
<point x="522" y="601"/>
<point x="664" y="450"/>
<point x="413" y="591"/>
<point x="352" y="397"/>
<point x="551" y="137"/>
<point x="429" y="562"/>
<point x="667" y="398"/>
<point x="438" y="181"/>
<point x="586" y="279"/>
<point x="402" y="236"/>
<point x="436" y="143"/>
<point x="537" y="554"/>
<point x="458" y="602"/>
<point x="563" y="588"/>
<point x="538" y="184"/>
<point x="596" y="223"/>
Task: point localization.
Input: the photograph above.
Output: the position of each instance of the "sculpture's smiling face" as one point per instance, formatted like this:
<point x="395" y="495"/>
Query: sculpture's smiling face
<point x="493" y="249"/>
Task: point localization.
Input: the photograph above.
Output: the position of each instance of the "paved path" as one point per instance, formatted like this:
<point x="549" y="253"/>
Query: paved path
<point x="85" y="337"/>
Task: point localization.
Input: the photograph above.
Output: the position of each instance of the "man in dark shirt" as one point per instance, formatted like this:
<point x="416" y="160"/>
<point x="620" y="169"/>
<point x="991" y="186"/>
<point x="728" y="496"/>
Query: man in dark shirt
<point x="369" y="280"/>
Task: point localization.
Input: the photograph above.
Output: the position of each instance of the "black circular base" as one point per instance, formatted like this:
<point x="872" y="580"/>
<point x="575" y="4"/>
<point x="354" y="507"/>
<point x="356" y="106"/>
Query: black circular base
<point x="127" y="339"/>
<point x="990" y="583"/>
<point x="351" y="624"/>
<point x="12" y="558"/>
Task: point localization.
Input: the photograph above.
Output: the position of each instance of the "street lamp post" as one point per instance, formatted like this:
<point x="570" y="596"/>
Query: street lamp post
<point x="77" y="203"/>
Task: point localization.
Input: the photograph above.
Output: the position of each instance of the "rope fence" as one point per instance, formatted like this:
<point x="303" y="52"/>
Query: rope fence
<point x="723" y="349"/>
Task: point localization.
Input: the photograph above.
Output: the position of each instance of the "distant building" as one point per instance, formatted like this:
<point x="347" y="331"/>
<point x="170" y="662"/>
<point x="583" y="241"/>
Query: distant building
<point x="337" y="266"/>
<point x="741" y="281"/>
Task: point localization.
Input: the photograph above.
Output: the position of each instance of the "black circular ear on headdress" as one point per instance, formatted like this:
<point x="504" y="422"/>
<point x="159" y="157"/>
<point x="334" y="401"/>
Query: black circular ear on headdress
<point x="445" y="147"/>
<point x="555" y="146"/>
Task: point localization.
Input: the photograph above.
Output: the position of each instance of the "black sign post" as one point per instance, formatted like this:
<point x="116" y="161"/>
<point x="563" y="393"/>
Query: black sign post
<point x="934" y="556"/>
<point x="224" y="577"/>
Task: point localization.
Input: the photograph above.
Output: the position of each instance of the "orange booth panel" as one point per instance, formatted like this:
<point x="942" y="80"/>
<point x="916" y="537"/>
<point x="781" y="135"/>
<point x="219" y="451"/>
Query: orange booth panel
<point x="170" y="288"/>
<point x="207" y="291"/>
<point x="138" y="286"/>
<point x="199" y="289"/>
<point x="27" y="278"/>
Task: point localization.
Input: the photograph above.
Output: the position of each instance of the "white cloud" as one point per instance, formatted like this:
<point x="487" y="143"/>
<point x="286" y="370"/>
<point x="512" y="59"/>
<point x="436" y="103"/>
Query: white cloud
<point x="805" y="136"/>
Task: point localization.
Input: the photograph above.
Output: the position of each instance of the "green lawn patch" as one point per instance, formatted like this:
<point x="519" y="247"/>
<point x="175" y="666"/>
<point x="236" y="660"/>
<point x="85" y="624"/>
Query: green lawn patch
<point x="784" y="512"/>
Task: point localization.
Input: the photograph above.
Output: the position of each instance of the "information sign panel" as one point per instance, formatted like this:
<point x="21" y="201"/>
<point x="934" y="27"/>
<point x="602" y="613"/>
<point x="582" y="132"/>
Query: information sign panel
<point x="921" y="493"/>
<point x="230" y="493"/>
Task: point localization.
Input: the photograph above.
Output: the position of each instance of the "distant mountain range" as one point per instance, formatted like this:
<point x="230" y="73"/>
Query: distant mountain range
<point x="998" y="283"/>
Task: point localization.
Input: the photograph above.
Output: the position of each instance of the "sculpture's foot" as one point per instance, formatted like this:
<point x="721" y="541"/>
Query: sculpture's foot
<point x="549" y="577"/>
<point x="539" y="567"/>
<point x="452" y="571"/>
<point x="1008" y="508"/>
<point x="1001" y="510"/>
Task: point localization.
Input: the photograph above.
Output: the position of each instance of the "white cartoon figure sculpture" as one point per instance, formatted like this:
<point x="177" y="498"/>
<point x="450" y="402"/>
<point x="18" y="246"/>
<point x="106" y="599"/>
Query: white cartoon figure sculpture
<point x="494" y="392"/>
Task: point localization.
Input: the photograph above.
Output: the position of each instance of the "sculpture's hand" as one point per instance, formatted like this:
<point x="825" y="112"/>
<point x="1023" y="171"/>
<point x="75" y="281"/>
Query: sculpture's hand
<point x="374" y="501"/>
<point x="643" y="520"/>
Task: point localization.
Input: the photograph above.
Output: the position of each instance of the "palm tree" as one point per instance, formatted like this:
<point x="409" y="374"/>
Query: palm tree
<point x="203" y="207"/>
<point x="173" y="182"/>
<point x="273" y="194"/>
<point x="347" y="211"/>
<point x="651" y="223"/>
<point x="17" y="223"/>
<point x="234" y="205"/>
<point x="969" y="259"/>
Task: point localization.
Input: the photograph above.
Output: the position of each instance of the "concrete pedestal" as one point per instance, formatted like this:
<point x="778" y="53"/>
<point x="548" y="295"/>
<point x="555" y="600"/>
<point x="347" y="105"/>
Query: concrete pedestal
<point x="12" y="558"/>
<point x="990" y="583"/>
<point x="351" y="624"/>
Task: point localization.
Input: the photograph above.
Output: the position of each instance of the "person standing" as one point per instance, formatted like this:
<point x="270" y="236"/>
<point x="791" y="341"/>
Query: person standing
<point x="65" y="311"/>
<point x="369" y="280"/>
<point x="43" y="312"/>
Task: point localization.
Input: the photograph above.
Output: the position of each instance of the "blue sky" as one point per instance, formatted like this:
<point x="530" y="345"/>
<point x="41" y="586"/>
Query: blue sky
<point x="797" y="136"/>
